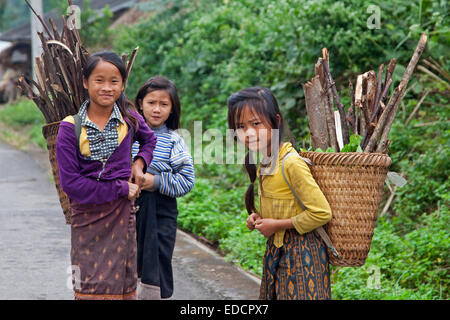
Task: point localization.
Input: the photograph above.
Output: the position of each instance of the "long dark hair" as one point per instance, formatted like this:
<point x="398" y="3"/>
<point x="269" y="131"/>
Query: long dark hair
<point x="161" y="83"/>
<point x="124" y="104"/>
<point x="261" y="101"/>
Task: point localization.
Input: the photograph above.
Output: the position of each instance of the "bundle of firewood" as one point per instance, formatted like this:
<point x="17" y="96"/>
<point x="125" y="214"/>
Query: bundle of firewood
<point x="59" y="86"/>
<point x="371" y="112"/>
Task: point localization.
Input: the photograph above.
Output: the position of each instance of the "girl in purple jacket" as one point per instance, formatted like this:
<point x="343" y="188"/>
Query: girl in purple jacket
<point x="102" y="181"/>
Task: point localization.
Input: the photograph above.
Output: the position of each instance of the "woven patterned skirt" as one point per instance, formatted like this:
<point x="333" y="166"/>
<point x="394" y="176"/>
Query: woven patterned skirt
<point x="296" y="271"/>
<point x="104" y="250"/>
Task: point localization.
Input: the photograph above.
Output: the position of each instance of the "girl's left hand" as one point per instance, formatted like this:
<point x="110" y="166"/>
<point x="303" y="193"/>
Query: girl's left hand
<point x="267" y="227"/>
<point x="137" y="174"/>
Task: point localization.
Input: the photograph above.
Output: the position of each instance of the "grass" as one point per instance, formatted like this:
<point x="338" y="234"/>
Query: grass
<point x="21" y="124"/>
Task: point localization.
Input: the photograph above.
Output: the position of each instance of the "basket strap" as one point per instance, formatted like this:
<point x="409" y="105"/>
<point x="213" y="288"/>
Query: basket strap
<point x="77" y="122"/>
<point x="320" y="230"/>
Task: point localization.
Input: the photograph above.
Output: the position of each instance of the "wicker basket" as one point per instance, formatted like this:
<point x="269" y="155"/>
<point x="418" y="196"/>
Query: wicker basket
<point x="352" y="182"/>
<point x="50" y="132"/>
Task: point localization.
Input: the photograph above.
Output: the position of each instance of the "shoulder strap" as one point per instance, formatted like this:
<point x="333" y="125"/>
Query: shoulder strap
<point x="320" y="230"/>
<point x="77" y="120"/>
<point x="131" y="128"/>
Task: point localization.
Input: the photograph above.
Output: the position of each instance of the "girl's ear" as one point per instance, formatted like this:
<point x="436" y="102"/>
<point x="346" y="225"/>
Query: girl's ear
<point x="278" y="119"/>
<point x="85" y="83"/>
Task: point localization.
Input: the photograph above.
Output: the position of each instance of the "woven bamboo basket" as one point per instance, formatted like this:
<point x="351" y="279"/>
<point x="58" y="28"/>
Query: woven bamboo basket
<point x="352" y="182"/>
<point x="50" y="132"/>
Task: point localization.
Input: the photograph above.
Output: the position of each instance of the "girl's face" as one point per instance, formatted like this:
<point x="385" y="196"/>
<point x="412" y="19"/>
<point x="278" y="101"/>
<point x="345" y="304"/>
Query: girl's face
<point x="104" y="85"/>
<point x="254" y="131"/>
<point x="156" y="107"/>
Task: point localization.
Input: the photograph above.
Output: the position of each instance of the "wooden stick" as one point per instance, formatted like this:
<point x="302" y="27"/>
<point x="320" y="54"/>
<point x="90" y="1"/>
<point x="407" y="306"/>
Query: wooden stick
<point x="389" y="71"/>
<point x="39" y="18"/>
<point x="378" y="93"/>
<point x="380" y="101"/>
<point x="351" y="111"/>
<point x="402" y="86"/>
<point x="316" y="109"/>
<point x="329" y="112"/>
<point x="331" y="84"/>
<point x="130" y="65"/>
<point x="378" y="129"/>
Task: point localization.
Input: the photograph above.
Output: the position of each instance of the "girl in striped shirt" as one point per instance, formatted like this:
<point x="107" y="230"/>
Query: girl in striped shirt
<point x="170" y="175"/>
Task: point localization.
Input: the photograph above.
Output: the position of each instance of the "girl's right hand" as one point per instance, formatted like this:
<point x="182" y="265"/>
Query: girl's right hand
<point x="251" y="220"/>
<point x="133" y="191"/>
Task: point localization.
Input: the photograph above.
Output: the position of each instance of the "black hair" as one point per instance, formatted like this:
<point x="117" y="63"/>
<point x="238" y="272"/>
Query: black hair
<point x="124" y="104"/>
<point x="261" y="101"/>
<point x="161" y="83"/>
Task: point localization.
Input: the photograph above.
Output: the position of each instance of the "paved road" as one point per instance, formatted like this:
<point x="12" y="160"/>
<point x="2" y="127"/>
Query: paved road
<point x="35" y="243"/>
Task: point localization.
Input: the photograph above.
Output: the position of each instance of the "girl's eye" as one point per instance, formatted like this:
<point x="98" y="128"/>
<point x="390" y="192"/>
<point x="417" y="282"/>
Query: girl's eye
<point x="256" y="123"/>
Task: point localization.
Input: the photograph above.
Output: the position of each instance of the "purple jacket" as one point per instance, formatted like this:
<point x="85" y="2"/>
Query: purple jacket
<point x="88" y="181"/>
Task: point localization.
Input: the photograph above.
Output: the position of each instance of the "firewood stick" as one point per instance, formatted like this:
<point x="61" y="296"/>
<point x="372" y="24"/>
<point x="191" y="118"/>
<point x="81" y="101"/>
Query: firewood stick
<point x="331" y="84"/>
<point x="55" y="30"/>
<point x="389" y="71"/>
<point x="364" y="100"/>
<point x="402" y="86"/>
<point x="315" y="107"/>
<point x="331" y="122"/>
<point x="380" y="101"/>
<point x="372" y="123"/>
<point x="362" y="124"/>
<point x="378" y="93"/>
<point x="39" y="18"/>
<point x="27" y="88"/>
<point x="130" y="65"/>
<point x="351" y="110"/>
<point x="45" y="99"/>
<point x="417" y="107"/>
<point x="329" y="109"/>
<point x="378" y="129"/>
<point x="66" y="77"/>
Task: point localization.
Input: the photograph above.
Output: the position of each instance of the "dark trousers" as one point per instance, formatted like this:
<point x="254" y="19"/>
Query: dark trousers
<point x="156" y="226"/>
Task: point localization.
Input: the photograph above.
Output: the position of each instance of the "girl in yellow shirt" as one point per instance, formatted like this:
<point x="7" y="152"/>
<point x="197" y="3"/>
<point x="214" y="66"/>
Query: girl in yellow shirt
<point x="295" y="265"/>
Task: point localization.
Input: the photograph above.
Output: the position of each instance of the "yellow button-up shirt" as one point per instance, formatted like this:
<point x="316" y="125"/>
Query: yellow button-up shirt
<point x="278" y="202"/>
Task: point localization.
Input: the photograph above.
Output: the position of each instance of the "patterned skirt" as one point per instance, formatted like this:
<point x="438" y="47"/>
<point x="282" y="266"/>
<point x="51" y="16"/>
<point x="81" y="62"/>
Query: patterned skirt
<point x="296" y="271"/>
<point x="103" y="255"/>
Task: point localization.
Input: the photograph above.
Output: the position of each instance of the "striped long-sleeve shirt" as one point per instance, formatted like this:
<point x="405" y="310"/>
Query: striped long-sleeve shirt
<point x="172" y="164"/>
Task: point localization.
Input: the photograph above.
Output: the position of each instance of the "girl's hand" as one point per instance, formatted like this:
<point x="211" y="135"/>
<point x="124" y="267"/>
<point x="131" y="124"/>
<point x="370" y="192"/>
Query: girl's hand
<point x="251" y="220"/>
<point x="268" y="227"/>
<point x="149" y="180"/>
<point x="133" y="191"/>
<point x="137" y="174"/>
